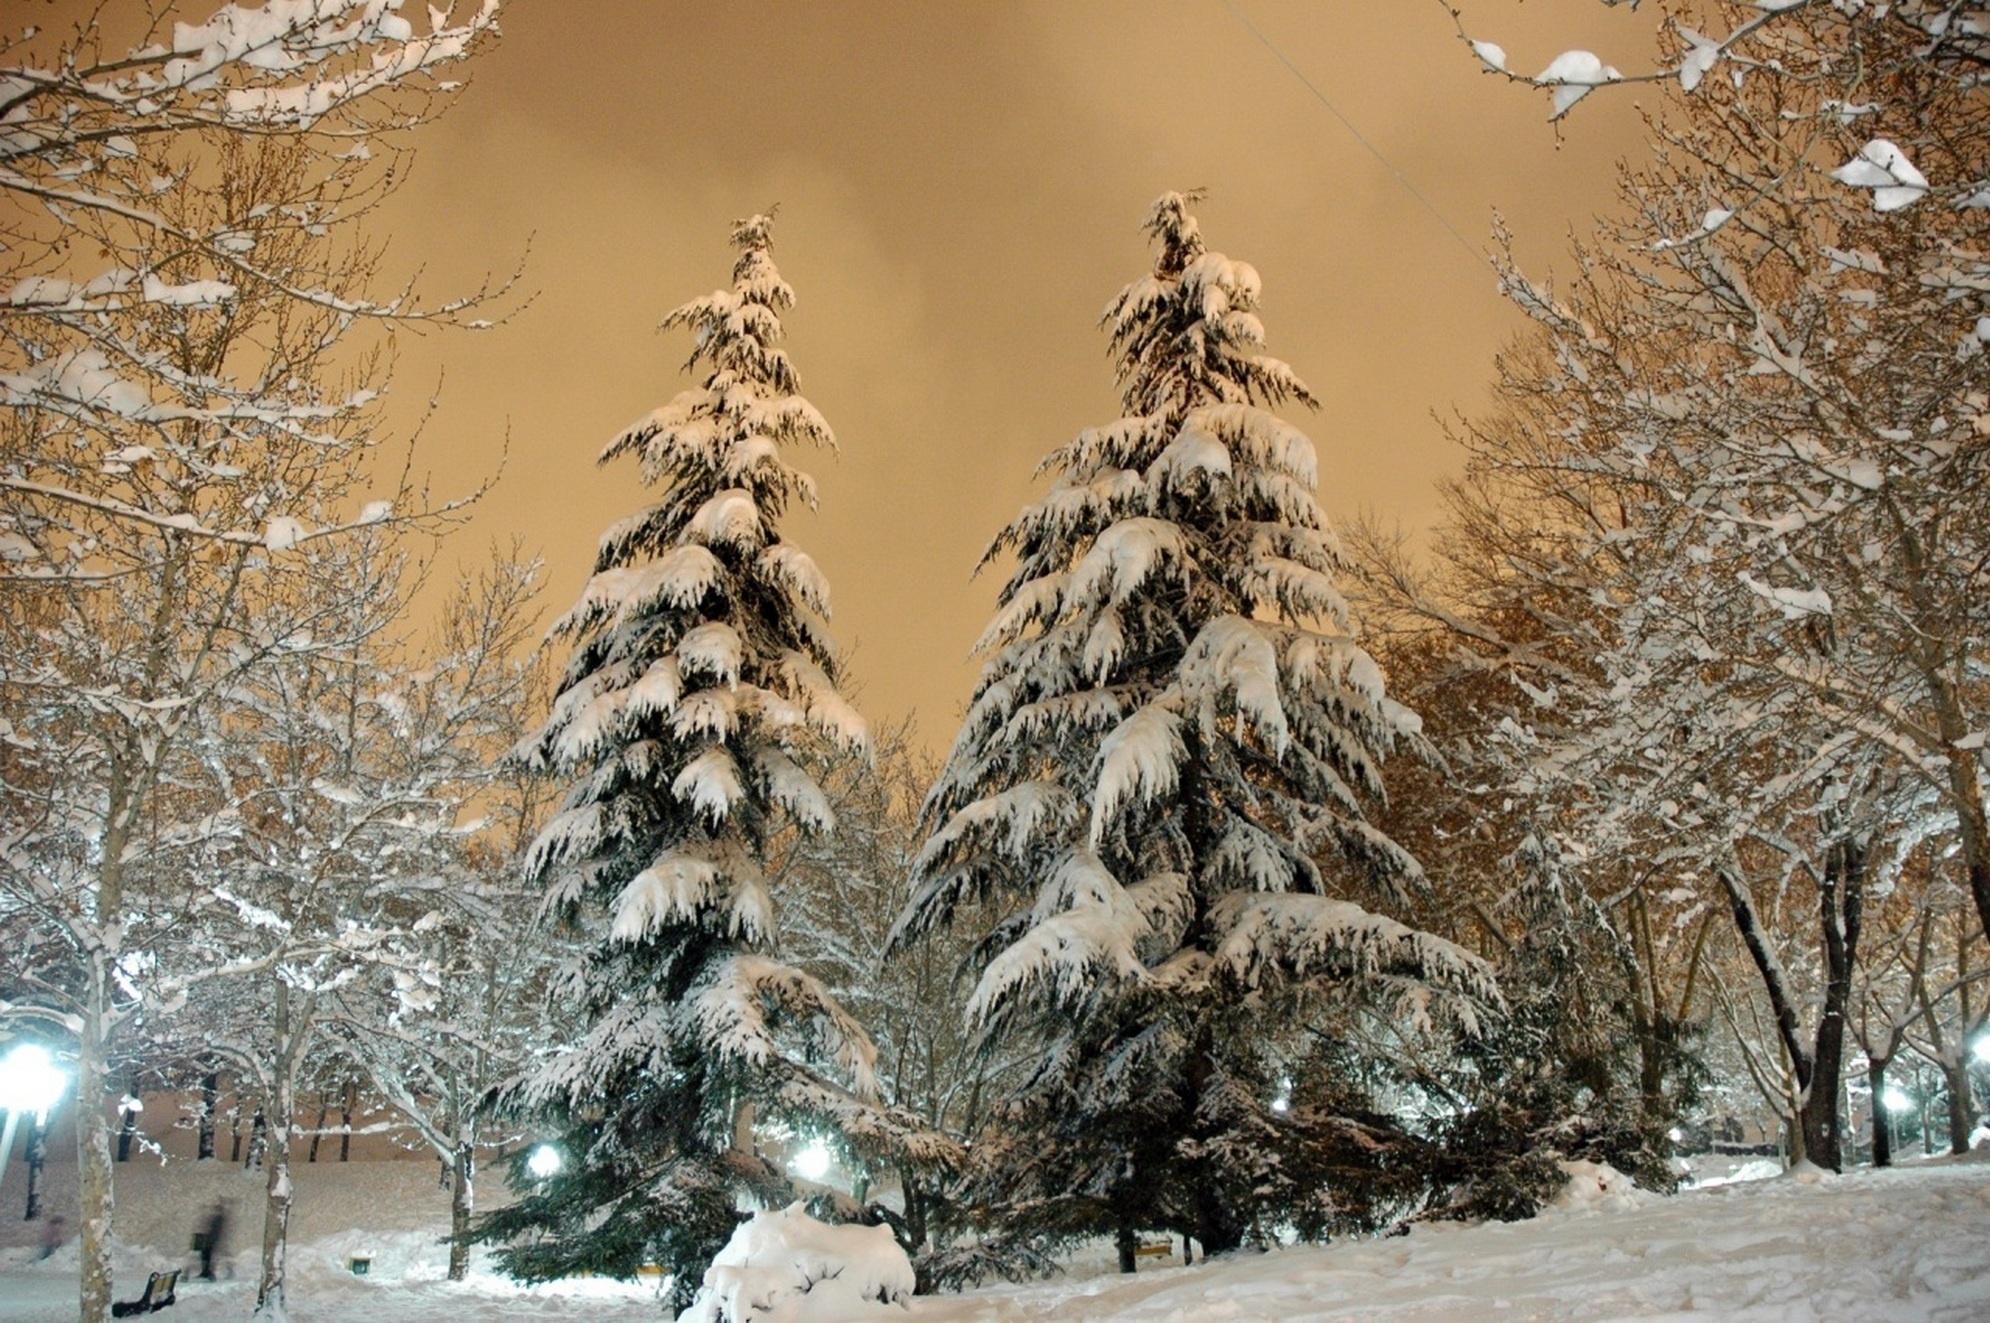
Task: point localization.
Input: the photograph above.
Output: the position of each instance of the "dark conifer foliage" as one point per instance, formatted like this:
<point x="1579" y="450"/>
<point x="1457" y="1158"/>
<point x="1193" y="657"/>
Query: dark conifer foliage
<point x="1161" y="782"/>
<point x="701" y="682"/>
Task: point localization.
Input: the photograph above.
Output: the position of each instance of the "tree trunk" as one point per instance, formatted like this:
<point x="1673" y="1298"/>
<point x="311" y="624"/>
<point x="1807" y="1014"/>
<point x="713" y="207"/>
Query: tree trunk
<point x="1972" y="822"/>
<point x="1882" y="1123"/>
<point x="210" y="1096"/>
<point x="1961" y="1113"/>
<point x="915" y="1210"/>
<point x="93" y="1147"/>
<point x="258" y="1141"/>
<point x="1123" y="1241"/>
<point x="1215" y="1227"/>
<point x="1819" y="1065"/>
<point x="1841" y="901"/>
<point x="1217" y="1231"/>
<point x="462" y="1200"/>
<point x="37" y="1158"/>
<point x="235" y="1130"/>
<point x="350" y="1105"/>
<point x="276" y="1161"/>
<point x="318" y="1130"/>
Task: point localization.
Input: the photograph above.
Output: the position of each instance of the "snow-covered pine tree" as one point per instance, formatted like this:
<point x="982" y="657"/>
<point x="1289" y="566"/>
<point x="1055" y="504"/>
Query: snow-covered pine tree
<point x="702" y="676"/>
<point x="1161" y="781"/>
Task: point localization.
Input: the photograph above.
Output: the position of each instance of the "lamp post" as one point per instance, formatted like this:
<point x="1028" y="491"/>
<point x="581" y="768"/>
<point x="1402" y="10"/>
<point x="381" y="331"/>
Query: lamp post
<point x="30" y="1083"/>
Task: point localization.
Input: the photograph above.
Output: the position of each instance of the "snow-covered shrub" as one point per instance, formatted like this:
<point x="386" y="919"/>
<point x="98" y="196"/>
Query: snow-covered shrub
<point x="1597" y="1187"/>
<point x="783" y="1266"/>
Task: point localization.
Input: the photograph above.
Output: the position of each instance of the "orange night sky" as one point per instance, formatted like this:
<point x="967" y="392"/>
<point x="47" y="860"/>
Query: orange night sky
<point x="960" y="187"/>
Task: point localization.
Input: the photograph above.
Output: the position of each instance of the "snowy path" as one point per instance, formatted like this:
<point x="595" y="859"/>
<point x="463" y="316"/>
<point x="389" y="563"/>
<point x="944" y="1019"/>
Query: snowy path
<point x="1894" y="1247"/>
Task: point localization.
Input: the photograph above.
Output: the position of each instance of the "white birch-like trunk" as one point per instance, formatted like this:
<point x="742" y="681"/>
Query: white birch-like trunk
<point x="278" y="1107"/>
<point x="93" y="1147"/>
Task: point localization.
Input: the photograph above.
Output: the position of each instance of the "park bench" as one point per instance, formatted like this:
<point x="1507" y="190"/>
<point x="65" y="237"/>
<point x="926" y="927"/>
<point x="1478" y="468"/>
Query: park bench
<point x="158" y="1294"/>
<point x="1154" y="1249"/>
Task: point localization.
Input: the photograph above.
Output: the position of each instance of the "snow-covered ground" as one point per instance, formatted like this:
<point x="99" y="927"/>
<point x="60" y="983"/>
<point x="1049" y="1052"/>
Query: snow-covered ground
<point x="1909" y="1244"/>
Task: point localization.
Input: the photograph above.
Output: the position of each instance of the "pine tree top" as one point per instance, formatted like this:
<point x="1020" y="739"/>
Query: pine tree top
<point x="1189" y="333"/>
<point x="703" y="662"/>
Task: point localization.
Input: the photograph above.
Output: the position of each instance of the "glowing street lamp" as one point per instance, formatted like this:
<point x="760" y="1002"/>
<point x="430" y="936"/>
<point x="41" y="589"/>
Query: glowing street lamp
<point x="30" y="1081"/>
<point x="545" y="1162"/>
<point x="30" y="1084"/>
<point x="812" y="1163"/>
<point x="1896" y="1099"/>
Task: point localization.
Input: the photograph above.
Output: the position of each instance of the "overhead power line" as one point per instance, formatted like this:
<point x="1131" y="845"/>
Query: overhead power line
<point x="1359" y="136"/>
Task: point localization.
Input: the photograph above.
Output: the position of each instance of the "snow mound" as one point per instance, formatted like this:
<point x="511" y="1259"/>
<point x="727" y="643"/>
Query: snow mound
<point x="783" y="1266"/>
<point x="1705" y="1175"/>
<point x="1598" y="1187"/>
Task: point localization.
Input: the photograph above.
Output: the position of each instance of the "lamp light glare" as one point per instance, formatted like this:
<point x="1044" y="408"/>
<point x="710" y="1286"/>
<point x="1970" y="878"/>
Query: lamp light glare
<point x="30" y="1081"/>
<point x="1897" y="1100"/>
<point x="812" y="1163"/>
<point x="545" y="1162"/>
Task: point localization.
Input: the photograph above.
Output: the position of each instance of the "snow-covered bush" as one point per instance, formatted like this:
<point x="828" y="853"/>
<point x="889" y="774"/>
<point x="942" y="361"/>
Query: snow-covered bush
<point x="783" y="1266"/>
<point x="1597" y="1187"/>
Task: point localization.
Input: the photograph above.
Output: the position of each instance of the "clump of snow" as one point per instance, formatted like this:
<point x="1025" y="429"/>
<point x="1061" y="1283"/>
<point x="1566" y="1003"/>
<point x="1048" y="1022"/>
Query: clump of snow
<point x="1702" y="53"/>
<point x="783" y="1266"/>
<point x="1571" y="76"/>
<point x="1885" y="169"/>
<point x="283" y="533"/>
<point x="1598" y="1187"/>
<point x="1709" y="1170"/>
<point x="1794" y="603"/>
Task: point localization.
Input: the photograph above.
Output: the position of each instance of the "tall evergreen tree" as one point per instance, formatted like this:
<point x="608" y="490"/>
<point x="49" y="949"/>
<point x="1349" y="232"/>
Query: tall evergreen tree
<point x="1161" y="781"/>
<point x="702" y="676"/>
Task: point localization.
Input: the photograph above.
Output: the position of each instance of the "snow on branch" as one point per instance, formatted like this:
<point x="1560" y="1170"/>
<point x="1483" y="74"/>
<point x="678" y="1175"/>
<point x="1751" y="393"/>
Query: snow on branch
<point x="286" y="64"/>
<point x="1801" y="40"/>
<point x="734" y="1017"/>
<point x="1884" y="168"/>
<point x="683" y="885"/>
<point x="1007" y="821"/>
<point x="1124" y="556"/>
<point x="710" y="783"/>
<point x="1234" y="655"/>
<point x="679" y="578"/>
<point x="1310" y="936"/>
<point x="1138" y="762"/>
<point x="828" y="711"/>
<point x="1061" y="957"/>
<point x="1573" y="75"/>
